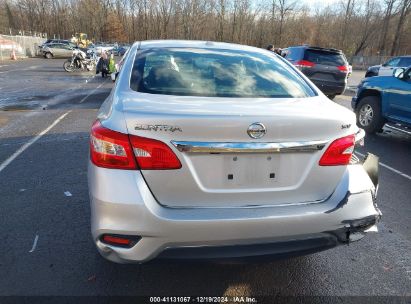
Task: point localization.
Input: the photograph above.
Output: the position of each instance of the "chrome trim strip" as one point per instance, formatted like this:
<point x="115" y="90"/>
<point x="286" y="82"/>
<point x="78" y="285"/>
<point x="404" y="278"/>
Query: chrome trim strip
<point x="250" y="206"/>
<point x="248" y="147"/>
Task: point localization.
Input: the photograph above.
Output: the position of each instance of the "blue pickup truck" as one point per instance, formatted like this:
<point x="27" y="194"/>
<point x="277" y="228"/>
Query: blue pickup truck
<point x="384" y="100"/>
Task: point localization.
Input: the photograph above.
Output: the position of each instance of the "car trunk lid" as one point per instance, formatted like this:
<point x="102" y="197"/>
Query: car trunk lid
<point x="222" y="166"/>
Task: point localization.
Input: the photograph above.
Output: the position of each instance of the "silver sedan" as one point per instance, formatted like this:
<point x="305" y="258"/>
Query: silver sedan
<point x="209" y="150"/>
<point x="54" y="50"/>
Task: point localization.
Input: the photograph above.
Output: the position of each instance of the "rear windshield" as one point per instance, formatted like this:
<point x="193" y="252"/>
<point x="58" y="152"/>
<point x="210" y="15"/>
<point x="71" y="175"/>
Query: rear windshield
<point x="405" y="62"/>
<point x="293" y="54"/>
<point x="324" y="57"/>
<point x="215" y="73"/>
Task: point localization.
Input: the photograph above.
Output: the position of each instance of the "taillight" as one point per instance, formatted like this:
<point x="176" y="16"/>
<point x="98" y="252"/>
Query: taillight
<point x="343" y="68"/>
<point x="110" y="149"/>
<point x="152" y="154"/>
<point x="115" y="150"/>
<point x="304" y="64"/>
<point x="339" y="152"/>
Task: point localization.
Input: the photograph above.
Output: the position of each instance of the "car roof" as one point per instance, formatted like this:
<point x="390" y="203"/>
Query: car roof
<point x="148" y="44"/>
<point x="56" y="43"/>
<point x="317" y="48"/>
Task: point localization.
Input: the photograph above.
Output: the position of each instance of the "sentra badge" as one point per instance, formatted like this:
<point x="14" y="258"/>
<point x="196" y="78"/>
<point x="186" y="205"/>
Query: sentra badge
<point x="162" y="128"/>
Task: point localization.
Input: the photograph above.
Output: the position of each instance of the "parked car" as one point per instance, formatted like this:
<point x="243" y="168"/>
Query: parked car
<point x="327" y="68"/>
<point x="215" y="150"/>
<point x="384" y="100"/>
<point x="387" y="68"/>
<point x="58" y="41"/>
<point x="98" y="48"/>
<point x="115" y="50"/>
<point x="119" y="50"/>
<point x="53" y="50"/>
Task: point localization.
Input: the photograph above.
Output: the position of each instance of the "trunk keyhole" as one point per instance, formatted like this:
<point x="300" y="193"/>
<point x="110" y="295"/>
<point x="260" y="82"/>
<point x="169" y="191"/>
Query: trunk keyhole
<point x="272" y="175"/>
<point x="230" y="176"/>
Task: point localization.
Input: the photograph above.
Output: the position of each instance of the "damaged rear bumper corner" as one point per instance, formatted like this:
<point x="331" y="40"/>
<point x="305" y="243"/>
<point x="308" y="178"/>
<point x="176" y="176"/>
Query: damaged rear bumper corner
<point x="356" y="229"/>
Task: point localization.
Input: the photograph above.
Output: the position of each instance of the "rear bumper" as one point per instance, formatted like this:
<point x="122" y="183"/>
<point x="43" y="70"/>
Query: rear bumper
<point x="330" y="88"/>
<point x="121" y="203"/>
<point x="255" y="252"/>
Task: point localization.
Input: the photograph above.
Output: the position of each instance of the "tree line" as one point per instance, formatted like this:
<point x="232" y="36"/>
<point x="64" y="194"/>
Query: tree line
<point x="358" y="27"/>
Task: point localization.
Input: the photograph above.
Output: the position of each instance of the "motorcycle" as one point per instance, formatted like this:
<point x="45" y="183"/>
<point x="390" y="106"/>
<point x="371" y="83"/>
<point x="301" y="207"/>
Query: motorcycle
<point x="81" y="61"/>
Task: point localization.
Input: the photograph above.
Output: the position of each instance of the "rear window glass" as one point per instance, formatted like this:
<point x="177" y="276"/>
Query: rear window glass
<point x="215" y="72"/>
<point x="293" y="54"/>
<point x="405" y="62"/>
<point x="324" y="57"/>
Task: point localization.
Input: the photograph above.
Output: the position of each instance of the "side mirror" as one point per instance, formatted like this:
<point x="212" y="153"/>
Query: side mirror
<point x="398" y="73"/>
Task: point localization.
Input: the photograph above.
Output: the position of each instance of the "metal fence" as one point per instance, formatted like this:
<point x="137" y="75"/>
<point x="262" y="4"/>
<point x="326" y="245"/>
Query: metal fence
<point x="27" y="42"/>
<point x="23" y="46"/>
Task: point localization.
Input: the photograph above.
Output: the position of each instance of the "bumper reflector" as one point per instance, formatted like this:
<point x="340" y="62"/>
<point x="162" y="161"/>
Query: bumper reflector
<point x="119" y="240"/>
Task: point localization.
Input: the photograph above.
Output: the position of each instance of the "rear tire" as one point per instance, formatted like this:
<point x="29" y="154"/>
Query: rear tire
<point x="370" y="74"/>
<point x="369" y="116"/>
<point x="48" y="55"/>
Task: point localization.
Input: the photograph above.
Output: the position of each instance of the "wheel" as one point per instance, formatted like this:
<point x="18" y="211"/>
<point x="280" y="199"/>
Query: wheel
<point x="370" y="74"/>
<point x="331" y="96"/>
<point x="91" y="66"/>
<point x="48" y="55"/>
<point x="369" y="115"/>
<point x="68" y="67"/>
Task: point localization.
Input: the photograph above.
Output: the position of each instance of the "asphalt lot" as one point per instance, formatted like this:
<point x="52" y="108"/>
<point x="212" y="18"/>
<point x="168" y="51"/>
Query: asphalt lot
<point x="44" y="210"/>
